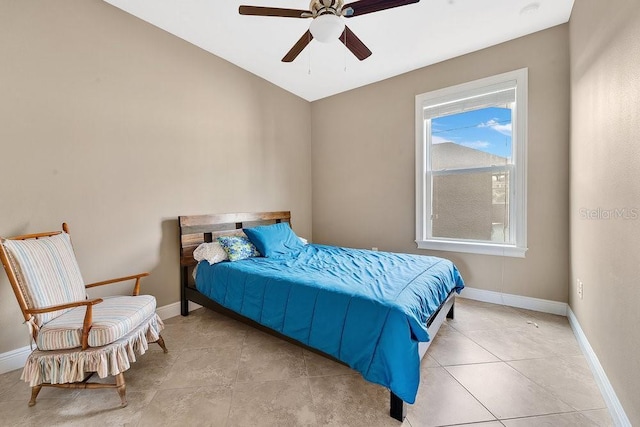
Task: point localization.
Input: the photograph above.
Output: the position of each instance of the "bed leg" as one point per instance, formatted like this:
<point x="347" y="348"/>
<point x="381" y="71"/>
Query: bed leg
<point x="451" y="311"/>
<point x="184" y="302"/>
<point x="397" y="408"/>
<point x="184" y="307"/>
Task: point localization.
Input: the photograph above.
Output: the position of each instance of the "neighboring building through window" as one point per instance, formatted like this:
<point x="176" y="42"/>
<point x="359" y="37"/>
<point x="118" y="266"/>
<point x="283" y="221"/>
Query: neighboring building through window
<point x="471" y="166"/>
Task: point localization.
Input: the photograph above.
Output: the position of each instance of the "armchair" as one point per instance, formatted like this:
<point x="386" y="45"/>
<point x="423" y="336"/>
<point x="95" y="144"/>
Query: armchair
<point x="75" y="336"/>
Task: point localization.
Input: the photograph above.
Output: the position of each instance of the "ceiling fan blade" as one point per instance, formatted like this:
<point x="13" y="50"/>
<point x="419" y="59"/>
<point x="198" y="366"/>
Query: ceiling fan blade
<point x="272" y="11"/>
<point x="354" y="44"/>
<point x="298" y="47"/>
<point x="363" y="7"/>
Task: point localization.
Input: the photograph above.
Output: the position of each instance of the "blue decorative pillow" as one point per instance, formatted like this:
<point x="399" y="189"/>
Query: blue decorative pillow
<point x="274" y="240"/>
<point x="238" y="247"/>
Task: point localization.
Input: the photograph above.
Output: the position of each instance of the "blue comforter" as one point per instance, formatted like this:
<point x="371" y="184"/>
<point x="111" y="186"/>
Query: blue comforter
<point x="367" y="309"/>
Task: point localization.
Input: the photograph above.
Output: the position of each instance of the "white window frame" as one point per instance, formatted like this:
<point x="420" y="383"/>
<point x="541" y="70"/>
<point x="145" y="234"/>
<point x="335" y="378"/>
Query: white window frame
<point x="518" y="191"/>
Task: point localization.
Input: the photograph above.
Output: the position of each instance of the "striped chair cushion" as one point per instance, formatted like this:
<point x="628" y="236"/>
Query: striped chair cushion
<point x="113" y="318"/>
<point x="47" y="272"/>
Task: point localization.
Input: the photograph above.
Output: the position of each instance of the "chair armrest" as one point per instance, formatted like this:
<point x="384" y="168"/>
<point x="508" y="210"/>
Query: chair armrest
<point x="136" y="288"/>
<point x="51" y="308"/>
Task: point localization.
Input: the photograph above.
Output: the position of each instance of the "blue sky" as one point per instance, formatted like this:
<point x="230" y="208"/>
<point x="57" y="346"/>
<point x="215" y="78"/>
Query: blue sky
<point x="486" y="129"/>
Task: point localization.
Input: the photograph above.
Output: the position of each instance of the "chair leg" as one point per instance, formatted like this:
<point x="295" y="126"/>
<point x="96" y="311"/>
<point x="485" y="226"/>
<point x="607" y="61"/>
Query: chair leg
<point x="34" y="393"/>
<point x="122" y="388"/>
<point x="161" y="344"/>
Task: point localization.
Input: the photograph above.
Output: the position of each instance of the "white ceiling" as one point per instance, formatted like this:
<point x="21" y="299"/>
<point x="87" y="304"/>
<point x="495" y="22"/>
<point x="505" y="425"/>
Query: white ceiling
<point x="401" y="39"/>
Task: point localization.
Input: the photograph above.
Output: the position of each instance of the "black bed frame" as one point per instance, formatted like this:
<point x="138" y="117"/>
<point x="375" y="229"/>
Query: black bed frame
<point x="196" y="229"/>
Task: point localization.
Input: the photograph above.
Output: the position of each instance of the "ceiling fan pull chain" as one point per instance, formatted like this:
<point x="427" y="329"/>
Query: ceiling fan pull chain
<point x="310" y="48"/>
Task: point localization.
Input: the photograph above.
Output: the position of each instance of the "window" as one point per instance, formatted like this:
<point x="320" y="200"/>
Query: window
<point x="471" y="166"/>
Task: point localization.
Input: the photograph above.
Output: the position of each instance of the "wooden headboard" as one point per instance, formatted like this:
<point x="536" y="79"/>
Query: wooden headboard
<point x="197" y="229"/>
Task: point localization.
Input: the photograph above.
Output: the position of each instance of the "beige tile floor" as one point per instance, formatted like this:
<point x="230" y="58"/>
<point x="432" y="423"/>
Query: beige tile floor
<point x="490" y="366"/>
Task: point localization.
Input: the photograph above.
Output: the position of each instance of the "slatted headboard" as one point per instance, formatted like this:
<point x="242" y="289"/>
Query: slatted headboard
<point x="197" y="229"/>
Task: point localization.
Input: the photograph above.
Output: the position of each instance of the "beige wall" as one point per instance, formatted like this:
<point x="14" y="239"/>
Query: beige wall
<point x="117" y="128"/>
<point x="364" y="164"/>
<point x="605" y="175"/>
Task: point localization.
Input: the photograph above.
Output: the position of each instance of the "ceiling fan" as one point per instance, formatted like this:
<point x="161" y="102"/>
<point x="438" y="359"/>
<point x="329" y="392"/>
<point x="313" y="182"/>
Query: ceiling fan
<point x="327" y="24"/>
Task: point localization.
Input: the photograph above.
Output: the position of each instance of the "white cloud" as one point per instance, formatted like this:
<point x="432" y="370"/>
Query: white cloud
<point x="476" y="144"/>
<point x="493" y="124"/>
<point x="503" y="129"/>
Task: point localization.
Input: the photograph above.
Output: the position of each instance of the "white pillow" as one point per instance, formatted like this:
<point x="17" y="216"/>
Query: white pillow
<point x="212" y="252"/>
<point x="303" y="240"/>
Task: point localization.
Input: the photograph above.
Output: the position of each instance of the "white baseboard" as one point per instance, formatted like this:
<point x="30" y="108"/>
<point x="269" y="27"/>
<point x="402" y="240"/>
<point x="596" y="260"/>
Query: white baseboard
<point x="616" y="410"/>
<point x="173" y="310"/>
<point x="535" y="304"/>
<point x="15" y="359"/>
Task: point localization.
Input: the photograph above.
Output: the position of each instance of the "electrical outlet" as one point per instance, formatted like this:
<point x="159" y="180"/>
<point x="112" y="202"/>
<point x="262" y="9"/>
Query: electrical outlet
<point x="580" y="289"/>
<point x="374" y="249"/>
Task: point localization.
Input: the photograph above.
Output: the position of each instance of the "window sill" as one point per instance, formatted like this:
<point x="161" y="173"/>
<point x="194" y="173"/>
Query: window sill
<point x="472" y="248"/>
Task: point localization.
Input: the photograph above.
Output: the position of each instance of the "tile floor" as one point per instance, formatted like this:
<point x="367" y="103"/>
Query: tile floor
<point x="490" y="366"/>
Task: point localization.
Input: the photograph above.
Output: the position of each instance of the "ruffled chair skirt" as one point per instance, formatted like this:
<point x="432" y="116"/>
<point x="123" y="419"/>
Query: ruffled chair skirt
<point x="69" y="366"/>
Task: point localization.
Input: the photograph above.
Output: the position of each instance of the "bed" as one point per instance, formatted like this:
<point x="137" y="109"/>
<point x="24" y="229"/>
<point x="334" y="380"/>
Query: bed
<point x="373" y="311"/>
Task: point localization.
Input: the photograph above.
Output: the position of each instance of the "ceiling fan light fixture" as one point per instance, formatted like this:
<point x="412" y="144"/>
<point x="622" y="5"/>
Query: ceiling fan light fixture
<point x="326" y="28"/>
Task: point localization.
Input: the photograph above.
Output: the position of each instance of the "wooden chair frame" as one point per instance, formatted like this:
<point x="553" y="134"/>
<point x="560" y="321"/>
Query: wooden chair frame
<point x="88" y="318"/>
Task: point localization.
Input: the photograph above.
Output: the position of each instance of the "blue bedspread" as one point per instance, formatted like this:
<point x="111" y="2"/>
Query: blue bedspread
<point x="367" y="309"/>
